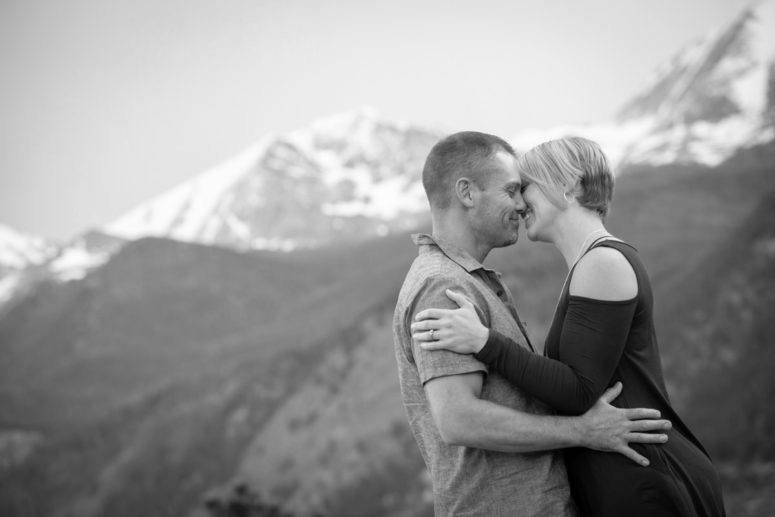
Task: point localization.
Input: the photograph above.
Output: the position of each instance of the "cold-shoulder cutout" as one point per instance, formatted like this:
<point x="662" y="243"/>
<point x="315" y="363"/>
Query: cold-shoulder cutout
<point x="604" y="273"/>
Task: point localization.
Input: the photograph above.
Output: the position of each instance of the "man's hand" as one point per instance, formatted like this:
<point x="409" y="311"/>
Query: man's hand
<point x="611" y="429"/>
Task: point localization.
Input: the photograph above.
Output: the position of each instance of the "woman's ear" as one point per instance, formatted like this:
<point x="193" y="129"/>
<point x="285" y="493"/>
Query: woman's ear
<point x="464" y="188"/>
<point x="572" y="192"/>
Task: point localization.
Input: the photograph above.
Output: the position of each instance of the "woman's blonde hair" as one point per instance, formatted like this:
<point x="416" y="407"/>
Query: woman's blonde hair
<point x="571" y="165"/>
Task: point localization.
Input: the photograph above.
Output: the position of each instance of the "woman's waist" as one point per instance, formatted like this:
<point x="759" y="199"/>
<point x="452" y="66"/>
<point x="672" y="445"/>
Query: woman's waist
<point x="678" y="453"/>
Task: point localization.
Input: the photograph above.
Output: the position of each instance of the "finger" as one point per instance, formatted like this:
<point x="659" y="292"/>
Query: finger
<point x="611" y="393"/>
<point x="431" y="345"/>
<point x="650" y="425"/>
<point x="646" y="437"/>
<point x="430" y="314"/>
<point x="419" y="326"/>
<point x="421" y="336"/>
<point x="634" y="456"/>
<point x="642" y="413"/>
<point x="459" y="298"/>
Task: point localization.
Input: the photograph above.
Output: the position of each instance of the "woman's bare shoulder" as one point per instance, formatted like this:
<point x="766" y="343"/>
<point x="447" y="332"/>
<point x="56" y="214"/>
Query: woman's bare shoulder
<point x="604" y="274"/>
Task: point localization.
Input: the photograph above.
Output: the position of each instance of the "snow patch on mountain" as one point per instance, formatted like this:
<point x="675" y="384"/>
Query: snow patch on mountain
<point x="69" y="262"/>
<point x="19" y="250"/>
<point x="386" y="199"/>
<point x="8" y="286"/>
<point x="184" y="212"/>
<point x="750" y="90"/>
<point x="76" y="262"/>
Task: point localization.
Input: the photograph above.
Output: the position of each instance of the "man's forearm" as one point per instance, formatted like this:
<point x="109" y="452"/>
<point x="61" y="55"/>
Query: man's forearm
<point x="486" y="425"/>
<point x="478" y="423"/>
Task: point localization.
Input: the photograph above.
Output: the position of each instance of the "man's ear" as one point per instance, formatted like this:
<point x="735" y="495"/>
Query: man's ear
<point x="464" y="189"/>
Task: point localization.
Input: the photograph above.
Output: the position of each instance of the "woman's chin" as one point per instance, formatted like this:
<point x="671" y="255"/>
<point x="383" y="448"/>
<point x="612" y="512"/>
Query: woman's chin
<point x="534" y="236"/>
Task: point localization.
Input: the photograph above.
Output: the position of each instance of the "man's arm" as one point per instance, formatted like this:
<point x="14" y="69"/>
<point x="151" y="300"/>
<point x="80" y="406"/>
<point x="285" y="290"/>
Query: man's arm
<point x="463" y="418"/>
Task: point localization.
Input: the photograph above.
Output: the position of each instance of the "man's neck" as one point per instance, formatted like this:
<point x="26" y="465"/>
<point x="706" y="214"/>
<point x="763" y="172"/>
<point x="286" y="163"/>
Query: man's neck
<point x="456" y="231"/>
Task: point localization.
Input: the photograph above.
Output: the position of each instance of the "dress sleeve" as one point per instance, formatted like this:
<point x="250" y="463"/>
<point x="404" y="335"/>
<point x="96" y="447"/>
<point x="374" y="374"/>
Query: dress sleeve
<point x="592" y="340"/>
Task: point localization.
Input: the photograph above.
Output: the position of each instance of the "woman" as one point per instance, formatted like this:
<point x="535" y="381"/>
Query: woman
<point x="602" y="332"/>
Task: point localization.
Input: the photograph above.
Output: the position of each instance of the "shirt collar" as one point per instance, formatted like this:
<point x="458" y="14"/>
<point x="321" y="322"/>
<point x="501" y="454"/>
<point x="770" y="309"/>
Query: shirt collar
<point x="455" y="254"/>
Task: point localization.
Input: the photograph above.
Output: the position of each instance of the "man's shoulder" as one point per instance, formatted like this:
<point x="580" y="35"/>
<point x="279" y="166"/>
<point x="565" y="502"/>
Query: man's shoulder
<point x="436" y="264"/>
<point x="437" y="271"/>
<point x="426" y="284"/>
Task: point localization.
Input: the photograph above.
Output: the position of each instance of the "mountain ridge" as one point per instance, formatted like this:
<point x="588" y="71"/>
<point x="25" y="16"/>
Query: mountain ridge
<point x="711" y="99"/>
<point x="356" y="174"/>
<point x="349" y="173"/>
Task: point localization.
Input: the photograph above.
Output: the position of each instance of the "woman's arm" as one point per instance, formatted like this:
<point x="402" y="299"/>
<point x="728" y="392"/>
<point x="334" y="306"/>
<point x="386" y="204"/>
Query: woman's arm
<point x="591" y="344"/>
<point x="592" y="340"/>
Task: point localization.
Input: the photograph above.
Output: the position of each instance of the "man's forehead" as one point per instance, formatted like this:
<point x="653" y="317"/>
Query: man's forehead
<point x="505" y="167"/>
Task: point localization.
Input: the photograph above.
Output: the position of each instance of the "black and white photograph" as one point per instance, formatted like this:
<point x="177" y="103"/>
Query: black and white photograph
<point x="266" y="258"/>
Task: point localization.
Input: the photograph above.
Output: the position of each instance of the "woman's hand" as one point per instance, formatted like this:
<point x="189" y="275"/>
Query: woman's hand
<point x="458" y="330"/>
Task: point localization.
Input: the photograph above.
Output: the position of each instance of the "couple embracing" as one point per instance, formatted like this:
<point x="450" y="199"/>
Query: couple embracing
<point x="586" y="428"/>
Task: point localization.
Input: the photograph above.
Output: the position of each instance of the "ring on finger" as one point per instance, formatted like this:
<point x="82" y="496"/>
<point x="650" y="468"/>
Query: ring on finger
<point x="433" y="338"/>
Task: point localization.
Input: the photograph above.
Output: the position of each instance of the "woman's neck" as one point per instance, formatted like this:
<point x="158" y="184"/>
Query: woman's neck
<point x="575" y="232"/>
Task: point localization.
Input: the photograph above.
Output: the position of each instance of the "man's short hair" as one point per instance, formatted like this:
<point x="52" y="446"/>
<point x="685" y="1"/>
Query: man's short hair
<point x="464" y="154"/>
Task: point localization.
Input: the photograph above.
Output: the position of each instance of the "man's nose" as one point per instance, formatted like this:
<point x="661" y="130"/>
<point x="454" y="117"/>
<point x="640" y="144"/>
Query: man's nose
<point x="519" y="201"/>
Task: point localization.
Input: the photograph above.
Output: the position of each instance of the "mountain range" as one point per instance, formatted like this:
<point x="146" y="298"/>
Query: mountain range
<point x="237" y="329"/>
<point x="357" y="173"/>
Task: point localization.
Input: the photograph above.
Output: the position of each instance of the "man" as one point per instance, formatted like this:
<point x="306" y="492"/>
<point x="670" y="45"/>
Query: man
<point x="486" y="444"/>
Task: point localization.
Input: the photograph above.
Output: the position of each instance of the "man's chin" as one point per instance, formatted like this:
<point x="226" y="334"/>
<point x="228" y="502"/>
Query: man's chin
<point x="512" y="240"/>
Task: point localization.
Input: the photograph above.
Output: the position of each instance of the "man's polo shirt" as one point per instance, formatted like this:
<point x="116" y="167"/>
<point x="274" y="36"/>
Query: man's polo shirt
<point x="469" y="481"/>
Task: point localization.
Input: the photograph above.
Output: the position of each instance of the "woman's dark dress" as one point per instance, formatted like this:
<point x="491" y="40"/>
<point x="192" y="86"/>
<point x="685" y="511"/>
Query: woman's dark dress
<point x="595" y="343"/>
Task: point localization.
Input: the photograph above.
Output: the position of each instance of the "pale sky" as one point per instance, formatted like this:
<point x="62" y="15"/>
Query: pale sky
<point x="105" y="104"/>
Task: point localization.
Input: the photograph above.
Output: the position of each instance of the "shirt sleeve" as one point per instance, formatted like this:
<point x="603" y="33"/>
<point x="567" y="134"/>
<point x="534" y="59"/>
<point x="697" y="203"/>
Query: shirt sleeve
<point x="592" y="341"/>
<point x="438" y="363"/>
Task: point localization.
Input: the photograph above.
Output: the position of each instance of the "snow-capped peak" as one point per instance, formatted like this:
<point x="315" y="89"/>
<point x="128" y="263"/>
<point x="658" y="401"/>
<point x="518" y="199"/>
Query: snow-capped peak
<point x="184" y="213"/>
<point x="354" y="173"/>
<point x="711" y="99"/>
<point x="357" y="124"/>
